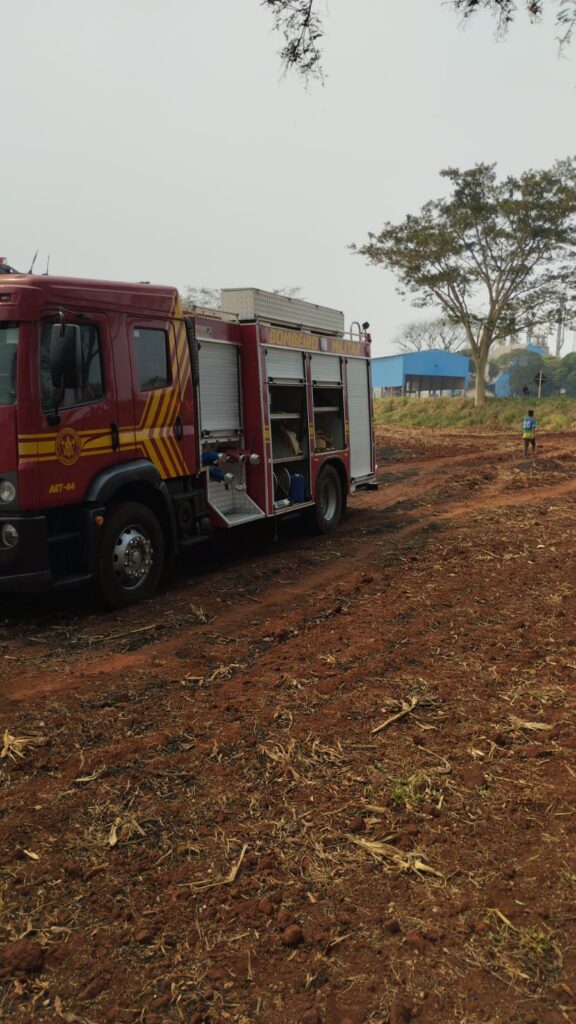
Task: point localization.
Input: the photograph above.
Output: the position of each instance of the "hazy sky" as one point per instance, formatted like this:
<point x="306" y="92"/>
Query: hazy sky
<point x="156" y="140"/>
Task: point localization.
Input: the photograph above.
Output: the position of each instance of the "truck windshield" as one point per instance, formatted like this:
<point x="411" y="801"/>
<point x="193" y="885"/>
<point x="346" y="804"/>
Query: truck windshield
<point x="8" y="350"/>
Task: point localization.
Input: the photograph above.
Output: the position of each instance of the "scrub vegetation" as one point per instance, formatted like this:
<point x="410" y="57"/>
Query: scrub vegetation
<point x="497" y="414"/>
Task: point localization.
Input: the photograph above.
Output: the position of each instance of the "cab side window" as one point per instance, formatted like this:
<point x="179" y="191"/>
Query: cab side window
<point x="90" y="384"/>
<point x="151" y="349"/>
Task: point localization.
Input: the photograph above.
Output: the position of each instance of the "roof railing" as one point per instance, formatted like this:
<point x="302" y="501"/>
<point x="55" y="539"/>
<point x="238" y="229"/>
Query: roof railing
<point x="358" y="333"/>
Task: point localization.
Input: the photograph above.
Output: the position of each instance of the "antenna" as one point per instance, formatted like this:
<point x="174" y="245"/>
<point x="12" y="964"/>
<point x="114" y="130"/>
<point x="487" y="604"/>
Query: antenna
<point x="33" y="262"/>
<point x="47" y="271"/>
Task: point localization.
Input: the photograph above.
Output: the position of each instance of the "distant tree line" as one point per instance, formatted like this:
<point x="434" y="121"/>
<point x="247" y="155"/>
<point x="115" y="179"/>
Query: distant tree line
<point x="523" y="368"/>
<point x="435" y="332"/>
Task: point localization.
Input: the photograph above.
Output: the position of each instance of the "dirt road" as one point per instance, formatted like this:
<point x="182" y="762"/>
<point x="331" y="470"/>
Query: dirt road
<point x="315" y="780"/>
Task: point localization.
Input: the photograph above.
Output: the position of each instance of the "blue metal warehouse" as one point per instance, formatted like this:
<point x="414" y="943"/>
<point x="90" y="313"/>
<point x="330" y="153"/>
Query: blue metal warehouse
<point x="433" y="370"/>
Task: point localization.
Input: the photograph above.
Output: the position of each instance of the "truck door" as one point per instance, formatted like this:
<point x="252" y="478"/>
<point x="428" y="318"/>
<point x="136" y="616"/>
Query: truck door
<point x="75" y="427"/>
<point x="359" y="406"/>
<point x="158" y="430"/>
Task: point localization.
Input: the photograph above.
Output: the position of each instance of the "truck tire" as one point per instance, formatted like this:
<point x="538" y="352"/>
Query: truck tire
<point x="329" y="505"/>
<point x="131" y="555"/>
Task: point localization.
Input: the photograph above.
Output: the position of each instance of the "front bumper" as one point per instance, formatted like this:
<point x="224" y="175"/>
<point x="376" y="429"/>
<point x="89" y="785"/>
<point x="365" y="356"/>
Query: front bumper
<point x="25" y="567"/>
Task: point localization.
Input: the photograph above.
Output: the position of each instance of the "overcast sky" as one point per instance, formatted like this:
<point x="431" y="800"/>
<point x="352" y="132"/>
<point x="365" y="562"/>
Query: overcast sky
<point x="156" y="139"/>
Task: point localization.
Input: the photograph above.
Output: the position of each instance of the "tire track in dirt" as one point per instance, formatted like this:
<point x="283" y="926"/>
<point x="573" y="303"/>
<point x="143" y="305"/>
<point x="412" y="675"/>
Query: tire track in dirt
<point x="120" y="828"/>
<point x="372" y="527"/>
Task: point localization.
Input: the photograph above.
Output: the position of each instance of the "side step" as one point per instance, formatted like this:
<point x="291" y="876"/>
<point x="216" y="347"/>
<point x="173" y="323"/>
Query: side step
<point x="233" y="506"/>
<point x="239" y="518"/>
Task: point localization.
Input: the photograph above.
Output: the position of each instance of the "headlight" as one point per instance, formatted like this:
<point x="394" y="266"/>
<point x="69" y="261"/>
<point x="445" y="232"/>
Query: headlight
<point x="9" y="535"/>
<point x="7" y="491"/>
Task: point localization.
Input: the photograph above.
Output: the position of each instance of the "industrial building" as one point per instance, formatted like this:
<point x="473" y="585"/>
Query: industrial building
<point x="432" y="371"/>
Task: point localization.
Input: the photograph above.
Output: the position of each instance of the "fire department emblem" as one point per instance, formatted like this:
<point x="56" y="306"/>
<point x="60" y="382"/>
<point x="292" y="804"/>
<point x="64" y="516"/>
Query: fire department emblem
<point x="68" y="446"/>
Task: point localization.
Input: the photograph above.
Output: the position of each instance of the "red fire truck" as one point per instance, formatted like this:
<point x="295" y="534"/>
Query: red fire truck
<point x="131" y="429"/>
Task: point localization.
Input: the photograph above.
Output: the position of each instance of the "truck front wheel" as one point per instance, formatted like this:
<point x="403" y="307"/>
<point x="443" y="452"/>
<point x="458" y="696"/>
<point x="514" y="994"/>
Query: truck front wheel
<point x="131" y="554"/>
<point x="329" y="504"/>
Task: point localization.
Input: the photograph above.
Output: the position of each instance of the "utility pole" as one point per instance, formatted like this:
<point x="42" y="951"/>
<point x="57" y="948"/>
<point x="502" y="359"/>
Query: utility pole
<point x="540" y="379"/>
<point x="560" y="330"/>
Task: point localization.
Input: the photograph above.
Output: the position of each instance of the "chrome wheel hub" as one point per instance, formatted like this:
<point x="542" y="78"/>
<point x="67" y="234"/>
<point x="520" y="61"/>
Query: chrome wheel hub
<point x="133" y="556"/>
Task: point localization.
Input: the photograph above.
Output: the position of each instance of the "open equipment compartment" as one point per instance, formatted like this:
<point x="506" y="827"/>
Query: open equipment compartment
<point x="328" y="418"/>
<point x="290" y="443"/>
<point x="221" y="416"/>
<point x="289" y="423"/>
<point x="328" y="399"/>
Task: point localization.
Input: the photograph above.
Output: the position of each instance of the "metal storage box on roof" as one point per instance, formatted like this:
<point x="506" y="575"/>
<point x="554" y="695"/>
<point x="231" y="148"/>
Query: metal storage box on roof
<point x="256" y="304"/>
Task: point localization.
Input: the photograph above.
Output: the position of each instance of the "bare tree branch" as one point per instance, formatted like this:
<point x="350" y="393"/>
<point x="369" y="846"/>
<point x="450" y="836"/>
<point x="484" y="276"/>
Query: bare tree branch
<point x="439" y="333"/>
<point x="302" y="27"/>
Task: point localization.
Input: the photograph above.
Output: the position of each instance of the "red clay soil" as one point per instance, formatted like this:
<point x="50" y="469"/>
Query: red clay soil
<point x="315" y="779"/>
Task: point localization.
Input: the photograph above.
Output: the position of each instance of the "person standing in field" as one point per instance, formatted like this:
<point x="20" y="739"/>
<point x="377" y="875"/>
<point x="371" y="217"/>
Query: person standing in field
<point x="529" y="432"/>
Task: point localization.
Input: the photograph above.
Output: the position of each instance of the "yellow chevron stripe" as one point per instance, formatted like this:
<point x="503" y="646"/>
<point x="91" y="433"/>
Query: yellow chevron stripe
<point x="173" y="360"/>
<point x="173" y="410"/>
<point x="52" y="435"/>
<point x="164" y="446"/>
<point x="101" y="439"/>
<point x="146" y="407"/>
<point x="184" y="470"/>
<point x="186" y="374"/>
<point x="160" y="419"/>
<point x="181" y="339"/>
<point x="179" y="459"/>
<point x="160" y="459"/>
<point x="151" y="455"/>
<point x="174" y="406"/>
<point x="176" y="455"/>
<point x="148" y="417"/>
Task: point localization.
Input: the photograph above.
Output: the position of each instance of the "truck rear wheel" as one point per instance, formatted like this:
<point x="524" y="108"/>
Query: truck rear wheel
<point x="329" y="506"/>
<point x="131" y="555"/>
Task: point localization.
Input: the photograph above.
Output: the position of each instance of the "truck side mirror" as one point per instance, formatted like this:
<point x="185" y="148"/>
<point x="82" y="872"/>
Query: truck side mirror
<point x="65" y="356"/>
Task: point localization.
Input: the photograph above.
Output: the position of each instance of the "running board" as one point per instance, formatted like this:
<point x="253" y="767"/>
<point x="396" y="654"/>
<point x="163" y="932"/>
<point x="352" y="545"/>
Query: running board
<point x="233" y="506"/>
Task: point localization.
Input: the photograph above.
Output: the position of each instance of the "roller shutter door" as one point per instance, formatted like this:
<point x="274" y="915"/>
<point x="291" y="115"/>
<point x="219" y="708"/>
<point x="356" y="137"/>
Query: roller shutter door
<point x="284" y="364"/>
<point x="326" y="369"/>
<point x="219" y="397"/>
<point x="357" y="373"/>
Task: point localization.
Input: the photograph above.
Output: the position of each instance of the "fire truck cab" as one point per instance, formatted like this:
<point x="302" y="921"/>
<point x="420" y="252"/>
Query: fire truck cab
<point x="131" y="429"/>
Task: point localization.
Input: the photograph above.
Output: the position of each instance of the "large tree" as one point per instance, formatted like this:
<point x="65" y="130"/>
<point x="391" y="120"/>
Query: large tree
<point x="302" y="28"/>
<point x="495" y="257"/>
